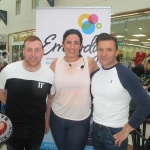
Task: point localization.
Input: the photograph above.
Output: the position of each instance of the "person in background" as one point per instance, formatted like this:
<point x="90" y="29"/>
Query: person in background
<point x="1" y="62"/>
<point x="71" y="105"/>
<point x="4" y="54"/>
<point x="24" y="87"/>
<point x="112" y="87"/>
<point x="141" y="70"/>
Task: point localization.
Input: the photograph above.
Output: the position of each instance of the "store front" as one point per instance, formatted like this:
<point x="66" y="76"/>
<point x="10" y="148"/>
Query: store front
<point x="16" y="44"/>
<point x="3" y="43"/>
<point x="132" y="30"/>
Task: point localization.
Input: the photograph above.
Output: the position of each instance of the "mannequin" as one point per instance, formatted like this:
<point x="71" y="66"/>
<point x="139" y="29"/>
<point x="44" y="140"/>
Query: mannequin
<point x="140" y="56"/>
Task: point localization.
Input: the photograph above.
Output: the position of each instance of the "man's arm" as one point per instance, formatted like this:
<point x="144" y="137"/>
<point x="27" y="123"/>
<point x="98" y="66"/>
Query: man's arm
<point x="131" y="83"/>
<point x="48" y="110"/>
<point x="3" y="96"/>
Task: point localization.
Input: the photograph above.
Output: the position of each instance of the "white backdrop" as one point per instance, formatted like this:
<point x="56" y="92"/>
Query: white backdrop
<point x="51" y="23"/>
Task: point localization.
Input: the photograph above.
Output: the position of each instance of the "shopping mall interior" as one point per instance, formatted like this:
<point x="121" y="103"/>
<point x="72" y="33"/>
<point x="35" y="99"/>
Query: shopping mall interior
<point x="129" y="23"/>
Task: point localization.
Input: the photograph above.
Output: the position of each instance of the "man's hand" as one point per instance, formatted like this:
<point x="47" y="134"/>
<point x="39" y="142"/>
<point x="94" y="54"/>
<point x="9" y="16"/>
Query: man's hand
<point x="122" y="135"/>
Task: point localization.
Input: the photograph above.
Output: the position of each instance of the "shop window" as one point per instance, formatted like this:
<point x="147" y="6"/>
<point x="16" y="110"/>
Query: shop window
<point x="35" y="3"/>
<point x="18" y="7"/>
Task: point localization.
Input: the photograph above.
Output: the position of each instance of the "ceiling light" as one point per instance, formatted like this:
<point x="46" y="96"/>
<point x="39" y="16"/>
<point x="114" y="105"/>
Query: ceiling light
<point x="147" y="12"/>
<point x="137" y="45"/>
<point x="140" y="28"/>
<point x="138" y="35"/>
<point x="130" y="44"/>
<point x="148" y="39"/>
<point x="125" y="15"/>
<point x="145" y="42"/>
<point x="126" y="29"/>
<point x="119" y="36"/>
<point x="133" y="40"/>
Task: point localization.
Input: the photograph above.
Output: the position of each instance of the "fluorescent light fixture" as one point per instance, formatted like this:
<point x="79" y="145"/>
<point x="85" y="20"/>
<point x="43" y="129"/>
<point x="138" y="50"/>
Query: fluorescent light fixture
<point x="133" y="40"/>
<point x="147" y="12"/>
<point x="145" y="42"/>
<point x="138" y="35"/>
<point x="119" y="36"/>
<point x="130" y="44"/>
<point x="125" y="15"/>
<point x="148" y="39"/>
<point x="140" y="28"/>
<point x="137" y="45"/>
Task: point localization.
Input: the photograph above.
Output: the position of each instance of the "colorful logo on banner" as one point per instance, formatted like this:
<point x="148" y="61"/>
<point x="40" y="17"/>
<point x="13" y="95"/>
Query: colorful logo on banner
<point x="88" y="23"/>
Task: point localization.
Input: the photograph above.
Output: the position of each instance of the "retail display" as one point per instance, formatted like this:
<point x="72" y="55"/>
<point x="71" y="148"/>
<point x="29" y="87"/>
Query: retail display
<point x="140" y="56"/>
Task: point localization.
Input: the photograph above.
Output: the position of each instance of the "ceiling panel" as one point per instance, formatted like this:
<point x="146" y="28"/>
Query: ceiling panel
<point x="132" y="25"/>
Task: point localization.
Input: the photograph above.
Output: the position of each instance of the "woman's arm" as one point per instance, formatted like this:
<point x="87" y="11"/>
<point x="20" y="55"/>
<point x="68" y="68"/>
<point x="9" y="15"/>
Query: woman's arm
<point x="53" y="64"/>
<point x="3" y="96"/>
<point x="92" y="64"/>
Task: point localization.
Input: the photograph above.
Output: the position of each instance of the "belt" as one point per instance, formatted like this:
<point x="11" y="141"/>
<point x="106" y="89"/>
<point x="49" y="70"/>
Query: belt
<point x="101" y="126"/>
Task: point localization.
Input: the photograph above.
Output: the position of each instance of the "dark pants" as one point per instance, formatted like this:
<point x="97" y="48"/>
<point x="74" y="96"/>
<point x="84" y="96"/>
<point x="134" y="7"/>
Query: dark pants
<point x="102" y="138"/>
<point x="28" y="139"/>
<point x="68" y="134"/>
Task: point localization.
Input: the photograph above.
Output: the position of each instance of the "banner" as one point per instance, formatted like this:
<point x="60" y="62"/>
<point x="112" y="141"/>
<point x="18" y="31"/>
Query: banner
<point x="3" y="16"/>
<point x="51" y="23"/>
<point x="51" y="3"/>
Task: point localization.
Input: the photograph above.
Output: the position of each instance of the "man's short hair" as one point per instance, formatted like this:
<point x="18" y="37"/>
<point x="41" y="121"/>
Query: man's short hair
<point x="32" y="39"/>
<point x="106" y="37"/>
<point x="4" y="53"/>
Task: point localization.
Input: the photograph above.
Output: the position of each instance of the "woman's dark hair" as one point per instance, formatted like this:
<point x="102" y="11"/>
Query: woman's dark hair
<point x="74" y="31"/>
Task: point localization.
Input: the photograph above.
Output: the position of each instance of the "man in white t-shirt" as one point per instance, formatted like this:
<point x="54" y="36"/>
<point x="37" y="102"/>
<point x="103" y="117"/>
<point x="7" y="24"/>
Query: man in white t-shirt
<point x="112" y="87"/>
<point x="24" y="87"/>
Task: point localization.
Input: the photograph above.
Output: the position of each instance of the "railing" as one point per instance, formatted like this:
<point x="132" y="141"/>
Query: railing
<point x="137" y="136"/>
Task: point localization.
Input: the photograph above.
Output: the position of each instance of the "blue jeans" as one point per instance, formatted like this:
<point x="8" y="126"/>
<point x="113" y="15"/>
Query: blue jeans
<point x="26" y="140"/>
<point x="102" y="138"/>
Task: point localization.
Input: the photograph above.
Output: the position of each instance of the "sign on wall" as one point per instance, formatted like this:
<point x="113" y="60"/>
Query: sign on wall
<point x="51" y="23"/>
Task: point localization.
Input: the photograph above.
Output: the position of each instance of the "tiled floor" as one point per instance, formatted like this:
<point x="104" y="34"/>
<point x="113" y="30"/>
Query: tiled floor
<point x="3" y="147"/>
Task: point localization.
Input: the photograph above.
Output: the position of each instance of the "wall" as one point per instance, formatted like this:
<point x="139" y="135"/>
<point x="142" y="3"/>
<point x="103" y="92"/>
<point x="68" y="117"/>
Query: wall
<point x="26" y="20"/>
<point x="21" y="22"/>
<point x="117" y="5"/>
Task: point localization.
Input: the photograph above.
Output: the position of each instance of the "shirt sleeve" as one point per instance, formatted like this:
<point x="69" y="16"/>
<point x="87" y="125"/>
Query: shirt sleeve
<point x="132" y="84"/>
<point x="52" y="90"/>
